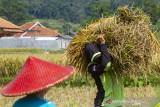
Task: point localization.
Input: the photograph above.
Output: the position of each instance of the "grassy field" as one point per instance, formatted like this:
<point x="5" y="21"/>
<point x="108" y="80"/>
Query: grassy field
<point x="84" y="96"/>
<point x="70" y="95"/>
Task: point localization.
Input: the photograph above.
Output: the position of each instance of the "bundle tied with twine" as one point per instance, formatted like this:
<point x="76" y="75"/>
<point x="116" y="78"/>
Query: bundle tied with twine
<point x="130" y="42"/>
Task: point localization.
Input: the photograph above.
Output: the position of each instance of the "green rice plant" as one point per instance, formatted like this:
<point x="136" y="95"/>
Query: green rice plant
<point x="28" y="50"/>
<point x="20" y="50"/>
<point x="10" y="67"/>
<point x="10" y="64"/>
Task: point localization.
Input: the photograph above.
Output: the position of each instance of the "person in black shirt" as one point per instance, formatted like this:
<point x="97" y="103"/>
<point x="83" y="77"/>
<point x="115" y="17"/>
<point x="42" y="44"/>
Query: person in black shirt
<point x="105" y="79"/>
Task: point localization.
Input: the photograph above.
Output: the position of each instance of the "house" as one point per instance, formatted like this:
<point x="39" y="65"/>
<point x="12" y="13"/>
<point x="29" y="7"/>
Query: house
<point x="66" y="37"/>
<point x="72" y="34"/>
<point x="35" y="29"/>
<point x="33" y="35"/>
<point x="64" y="40"/>
<point x="7" y="28"/>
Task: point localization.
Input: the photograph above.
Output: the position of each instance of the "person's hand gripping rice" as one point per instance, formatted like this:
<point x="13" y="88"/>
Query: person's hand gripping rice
<point x="100" y="39"/>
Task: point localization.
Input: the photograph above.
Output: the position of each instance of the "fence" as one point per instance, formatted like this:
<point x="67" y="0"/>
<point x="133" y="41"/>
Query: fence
<point x="34" y="42"/>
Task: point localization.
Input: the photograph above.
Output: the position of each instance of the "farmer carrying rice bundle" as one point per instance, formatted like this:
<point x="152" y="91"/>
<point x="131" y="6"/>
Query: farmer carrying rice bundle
<point x="130" y="43"/>
<point x="131" y="47"/>
<point x="108" y="87"/>
<point x="34" y="80"/>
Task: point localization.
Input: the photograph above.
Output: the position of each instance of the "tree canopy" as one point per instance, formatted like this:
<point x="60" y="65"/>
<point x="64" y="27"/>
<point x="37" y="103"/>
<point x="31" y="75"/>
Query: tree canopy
<point x="75" y="11"/>
<point x="15" y="11"/>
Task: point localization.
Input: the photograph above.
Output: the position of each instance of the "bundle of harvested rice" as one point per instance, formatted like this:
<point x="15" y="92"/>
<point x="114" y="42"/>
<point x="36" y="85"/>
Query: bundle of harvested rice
<point x="130" y="43"/>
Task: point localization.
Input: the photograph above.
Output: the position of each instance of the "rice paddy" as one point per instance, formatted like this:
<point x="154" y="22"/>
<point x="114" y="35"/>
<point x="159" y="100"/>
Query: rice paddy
<point x="78" y="96"/>
<point x="84" y="96"/>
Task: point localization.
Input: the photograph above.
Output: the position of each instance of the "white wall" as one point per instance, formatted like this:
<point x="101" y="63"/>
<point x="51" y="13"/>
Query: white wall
<point x="34" y="42"/>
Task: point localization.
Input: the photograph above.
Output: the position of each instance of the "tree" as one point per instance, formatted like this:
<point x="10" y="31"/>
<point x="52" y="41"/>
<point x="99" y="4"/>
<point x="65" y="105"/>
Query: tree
<point x="14" y="11"/>
<point x="98" y="10"/>
<point x="70" y="10"/>
<point x="151" y="7"/>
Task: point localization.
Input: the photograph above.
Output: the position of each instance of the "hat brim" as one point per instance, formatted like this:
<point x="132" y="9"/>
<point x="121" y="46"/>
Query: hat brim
<point x="25" y="83"/>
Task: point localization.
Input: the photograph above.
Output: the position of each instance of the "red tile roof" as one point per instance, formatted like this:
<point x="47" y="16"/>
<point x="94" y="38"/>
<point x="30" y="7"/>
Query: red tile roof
<point x="13" y="30"/>
<point x="27" y="25"/>
<point x="8" y="27"/>
<point x="36" y="29"/>
<point x="5" y="24"/>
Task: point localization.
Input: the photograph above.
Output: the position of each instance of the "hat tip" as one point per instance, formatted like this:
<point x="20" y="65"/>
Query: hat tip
<point x="31" y="57"/>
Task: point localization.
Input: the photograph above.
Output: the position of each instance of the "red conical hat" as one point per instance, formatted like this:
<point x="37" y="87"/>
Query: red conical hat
<point x="36" y="75"/>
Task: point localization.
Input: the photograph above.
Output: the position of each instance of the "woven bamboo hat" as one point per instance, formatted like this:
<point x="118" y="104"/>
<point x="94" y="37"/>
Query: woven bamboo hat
<point x="36" y="75"/>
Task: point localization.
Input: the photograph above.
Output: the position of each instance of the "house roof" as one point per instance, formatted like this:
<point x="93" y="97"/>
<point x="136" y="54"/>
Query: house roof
<point x="72" y="33"/>
<point x="6" y="24"/>
<point x="13" y="30"/>
<point x="8" y="27"/>
<point x="66" y="37"/>
<point x="30" y="25"/>
<point x="36" y="29"/>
